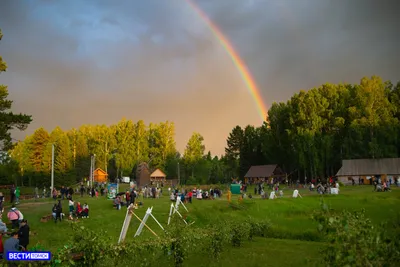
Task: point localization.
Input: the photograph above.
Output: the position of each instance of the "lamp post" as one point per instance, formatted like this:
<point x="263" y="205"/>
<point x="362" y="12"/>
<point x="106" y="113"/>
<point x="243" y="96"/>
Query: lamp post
<point x="52" y="168"/>
<point x="179" y="175"/>
<point x="92" y="166"/>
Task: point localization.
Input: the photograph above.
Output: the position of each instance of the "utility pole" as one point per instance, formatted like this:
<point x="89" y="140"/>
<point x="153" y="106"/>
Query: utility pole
<point x="52" y="168"/>
<point x="179" y="175"/>
<point x="105" y="157"/>
<point x="91" y="170"/>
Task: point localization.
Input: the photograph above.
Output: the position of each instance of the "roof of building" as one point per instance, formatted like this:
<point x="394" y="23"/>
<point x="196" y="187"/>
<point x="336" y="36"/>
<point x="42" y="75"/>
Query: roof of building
<point x="369" y="167"/>
<point x="158" y="173"/>
<point x="261" y="171"/>
<point x="99" y="171"/>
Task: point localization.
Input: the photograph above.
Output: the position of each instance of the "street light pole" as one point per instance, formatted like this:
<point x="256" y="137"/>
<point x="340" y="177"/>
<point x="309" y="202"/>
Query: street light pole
<point x="91" y="171"/>
<point x="179" y="175"/>
<point x="52" y="167"/>
<point x="93" y="167"/>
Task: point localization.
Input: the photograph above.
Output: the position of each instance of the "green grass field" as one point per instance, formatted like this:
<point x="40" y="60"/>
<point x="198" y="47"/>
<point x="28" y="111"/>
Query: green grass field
<point x="295" y="231"/>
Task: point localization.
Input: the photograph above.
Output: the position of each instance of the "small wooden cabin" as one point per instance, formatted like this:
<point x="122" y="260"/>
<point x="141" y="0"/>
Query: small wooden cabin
<point x="263" y="173"/>
<point x="158" y="178"/>
<point x="100" y="176"/>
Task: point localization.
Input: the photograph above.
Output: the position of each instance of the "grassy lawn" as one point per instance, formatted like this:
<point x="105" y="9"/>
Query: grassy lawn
<point x="294" y="244"/>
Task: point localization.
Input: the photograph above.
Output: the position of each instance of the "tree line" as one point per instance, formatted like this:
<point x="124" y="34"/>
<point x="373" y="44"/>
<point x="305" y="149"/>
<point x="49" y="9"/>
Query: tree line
<point x="310" y="134"/>
<point x="118" y="149"/>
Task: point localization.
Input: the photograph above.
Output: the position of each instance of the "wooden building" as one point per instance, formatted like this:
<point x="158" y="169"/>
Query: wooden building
<point x="367" y="170"/>
<point x="263" y="173"/>
<point x="158" y="178"/>
<point x="142" y="175"/>
<point x="100" y="176"/>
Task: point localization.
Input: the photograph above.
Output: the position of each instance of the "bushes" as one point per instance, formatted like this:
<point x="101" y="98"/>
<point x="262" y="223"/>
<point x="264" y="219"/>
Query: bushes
<point x="354" y="241"/>
<point x="171" y="249"/>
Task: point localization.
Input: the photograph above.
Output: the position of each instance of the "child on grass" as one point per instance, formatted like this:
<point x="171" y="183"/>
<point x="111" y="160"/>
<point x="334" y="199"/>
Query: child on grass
<point x="85" y="212"/>
<point x="54" y="212"/>
<point x="71" y="209"/>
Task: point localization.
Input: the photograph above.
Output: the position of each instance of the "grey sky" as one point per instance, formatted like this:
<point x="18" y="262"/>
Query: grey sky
<point x="78" y="62"/>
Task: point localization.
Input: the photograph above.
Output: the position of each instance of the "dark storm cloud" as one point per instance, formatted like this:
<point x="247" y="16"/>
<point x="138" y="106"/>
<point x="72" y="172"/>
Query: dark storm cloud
<point x="75" y="62"/>
<point x="302" y="44"/>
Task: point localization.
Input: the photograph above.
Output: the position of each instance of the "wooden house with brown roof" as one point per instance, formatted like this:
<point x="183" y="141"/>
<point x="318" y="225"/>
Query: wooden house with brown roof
<point x="263" y="173"/>
<point x="368" y="169"/>
<point x="100" y="176"/>
<point x="158" y="178"/>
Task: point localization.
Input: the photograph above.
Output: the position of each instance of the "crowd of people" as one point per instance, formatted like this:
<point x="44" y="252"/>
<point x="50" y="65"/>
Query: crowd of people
<point x="18" y="237"/>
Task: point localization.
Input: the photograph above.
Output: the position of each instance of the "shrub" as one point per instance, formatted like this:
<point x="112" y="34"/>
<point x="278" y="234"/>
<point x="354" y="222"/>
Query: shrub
<point x="353" y="239"/>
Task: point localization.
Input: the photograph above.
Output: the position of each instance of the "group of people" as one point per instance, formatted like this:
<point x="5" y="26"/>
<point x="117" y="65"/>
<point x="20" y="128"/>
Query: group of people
<point x="382" y="186"/>
<point x="18" y="238"/>
<point x="77" y="211"/>
<point x="15" y="193"/>
<point x="186" y="196"/>
<point x="129" y="196"/>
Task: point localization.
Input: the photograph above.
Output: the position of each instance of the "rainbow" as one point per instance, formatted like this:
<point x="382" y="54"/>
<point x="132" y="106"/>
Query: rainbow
<point x="237" y="61"/>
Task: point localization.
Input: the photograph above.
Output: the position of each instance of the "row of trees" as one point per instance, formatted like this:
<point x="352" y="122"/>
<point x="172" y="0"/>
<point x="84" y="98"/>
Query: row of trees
<point x="118" y="149"/>
<point x="310" y="134"/>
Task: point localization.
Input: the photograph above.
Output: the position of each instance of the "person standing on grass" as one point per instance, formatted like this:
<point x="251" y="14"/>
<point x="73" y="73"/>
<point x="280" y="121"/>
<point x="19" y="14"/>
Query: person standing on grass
<point x="132" y="197"/>
<point x="58" y="211"/>
<point x="17" y="195"/>
<point x="82" y="189"/>
<point x="36" y="193"/>
<point x="1" y="203"/>
<point x="71" y="208"/>
<point x="190" y="196"/>
<point x="23" y="235"/>
<point x="54" y="213"/>
<point x="12" y="194"/>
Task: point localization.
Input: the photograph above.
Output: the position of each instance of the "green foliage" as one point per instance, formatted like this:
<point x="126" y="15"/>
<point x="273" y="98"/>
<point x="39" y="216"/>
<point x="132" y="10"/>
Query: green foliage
<point x="8" y="120"/>
<point x="310" y="134"/>
<point x="170" y="249"/>
<point x="354" y="241"/>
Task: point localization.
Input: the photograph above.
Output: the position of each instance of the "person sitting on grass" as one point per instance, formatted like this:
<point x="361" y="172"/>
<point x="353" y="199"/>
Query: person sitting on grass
<point x="1" y="246"/>
<point x="12" y="244"/>
<point x="3" y="227"/>
<point x="85" y="212"/>
<point x="117" y="203"/>
<point x="14" y="215"/>
<point x="79" y="210"/>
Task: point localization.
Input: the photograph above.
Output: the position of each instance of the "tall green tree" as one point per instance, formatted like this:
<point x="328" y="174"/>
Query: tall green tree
<point x="232" y="151"/>
<point x="125" y="140"/>
<point x="37" y="147"/>
<point x="8" y="119"/>
<point x="194" y="151"/>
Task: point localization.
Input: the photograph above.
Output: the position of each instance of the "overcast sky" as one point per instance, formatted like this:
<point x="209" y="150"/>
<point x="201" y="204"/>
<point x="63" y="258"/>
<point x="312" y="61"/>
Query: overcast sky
<point x="94" y="62"/>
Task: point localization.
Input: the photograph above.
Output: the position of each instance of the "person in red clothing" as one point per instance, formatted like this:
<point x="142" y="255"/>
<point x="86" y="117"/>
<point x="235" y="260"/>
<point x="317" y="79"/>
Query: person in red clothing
<point x="128" y="198"/>
<point x="1" y="246"/>
<point x="190" y="195"/>
<point x="79" y="210"/>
